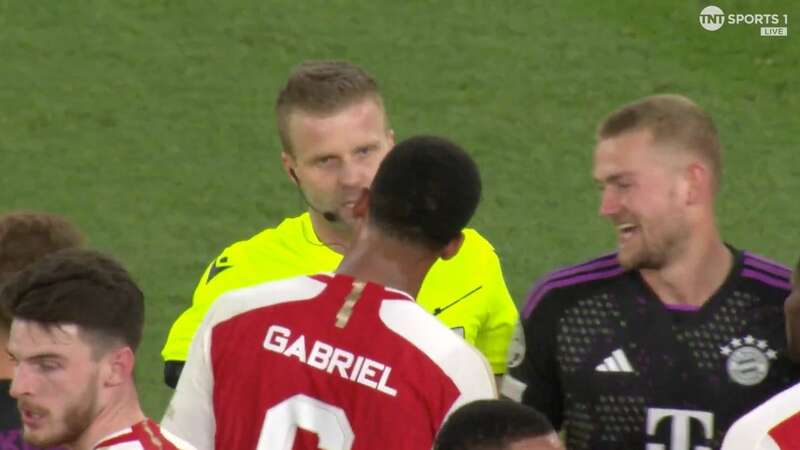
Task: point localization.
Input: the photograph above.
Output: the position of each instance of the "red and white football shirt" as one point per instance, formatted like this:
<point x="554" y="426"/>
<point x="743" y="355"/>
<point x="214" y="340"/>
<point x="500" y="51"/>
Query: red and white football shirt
<point x="145" y="435"/>
<point x="322" y="362"/>
<point x="773" y="425"/>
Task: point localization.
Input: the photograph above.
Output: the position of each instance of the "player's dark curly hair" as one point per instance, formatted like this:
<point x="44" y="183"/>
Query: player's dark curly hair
<point x="81" y="287"/>
<point x="425" y="191"/>
<point x="491" y="425"/>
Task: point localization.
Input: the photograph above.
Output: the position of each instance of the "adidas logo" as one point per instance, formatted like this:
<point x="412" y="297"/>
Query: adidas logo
<point x="617" y="362"/>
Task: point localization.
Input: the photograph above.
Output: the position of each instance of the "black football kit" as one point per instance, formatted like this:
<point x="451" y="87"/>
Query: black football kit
<point x="616" y="368"/>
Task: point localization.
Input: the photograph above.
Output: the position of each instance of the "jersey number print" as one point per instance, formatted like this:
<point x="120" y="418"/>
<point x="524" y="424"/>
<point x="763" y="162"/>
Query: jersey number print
<point x="327" y="421"/>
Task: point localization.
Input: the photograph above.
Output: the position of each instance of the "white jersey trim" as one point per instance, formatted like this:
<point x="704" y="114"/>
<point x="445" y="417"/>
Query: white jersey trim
<point x="134" y="444"/>
<point x="750" y="431"/>
<point x="240" y="301"/>
<point x="190" y="414"/>
<point x="462" y="362"/>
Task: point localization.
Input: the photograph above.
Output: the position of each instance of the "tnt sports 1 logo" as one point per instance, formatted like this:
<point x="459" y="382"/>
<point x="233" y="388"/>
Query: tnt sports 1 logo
<point x="712" y="18"/>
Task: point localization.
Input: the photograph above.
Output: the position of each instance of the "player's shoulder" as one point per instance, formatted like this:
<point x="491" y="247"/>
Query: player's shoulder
<point x="415" y="325"/>
<point x="145" y="435"/>
<point x="564" y="283"/>
<point x="459" y="361"/>
<point x="764" y="274"/>
<point x="176" y="441"/>
<point x="271" y="293"/>
<point x="766" y="418"/>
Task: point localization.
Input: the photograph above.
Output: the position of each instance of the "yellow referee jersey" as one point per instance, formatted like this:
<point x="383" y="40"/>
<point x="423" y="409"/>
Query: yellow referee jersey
<point x="467" y="292"/>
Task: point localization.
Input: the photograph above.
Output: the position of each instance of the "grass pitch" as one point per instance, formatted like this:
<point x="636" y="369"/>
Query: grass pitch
<point x="150" y="123"/>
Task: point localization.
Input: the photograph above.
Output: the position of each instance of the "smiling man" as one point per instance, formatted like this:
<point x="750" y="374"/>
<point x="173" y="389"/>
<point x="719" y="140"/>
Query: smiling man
<point x="334" y="132"/>
<point x="667" y="341"/>
<point x="77" y="320"/>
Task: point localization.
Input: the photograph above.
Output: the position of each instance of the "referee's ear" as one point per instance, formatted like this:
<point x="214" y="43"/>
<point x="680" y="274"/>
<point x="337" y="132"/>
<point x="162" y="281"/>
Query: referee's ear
<point x="117" y="366"/>
<point x="361" y="206"/>
<point x="452" y="247"/>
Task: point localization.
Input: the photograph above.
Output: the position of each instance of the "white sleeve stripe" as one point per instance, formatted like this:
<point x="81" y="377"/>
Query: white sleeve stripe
<point x="190" y="414"/>
<point x="233" y="303"/>
<point x="460" y="361"/>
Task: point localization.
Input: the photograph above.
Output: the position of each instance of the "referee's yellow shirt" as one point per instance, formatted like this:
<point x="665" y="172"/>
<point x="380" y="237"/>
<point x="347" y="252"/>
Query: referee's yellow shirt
<point x="467" y="292"/>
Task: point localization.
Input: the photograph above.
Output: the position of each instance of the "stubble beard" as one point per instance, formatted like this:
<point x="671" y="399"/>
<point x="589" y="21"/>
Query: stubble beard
<point x="655" y="250"/>
<point x="78" y="417"/>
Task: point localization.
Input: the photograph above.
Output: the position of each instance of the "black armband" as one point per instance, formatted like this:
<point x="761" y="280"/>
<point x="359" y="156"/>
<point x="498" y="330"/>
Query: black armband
<point x="172" y="372"/>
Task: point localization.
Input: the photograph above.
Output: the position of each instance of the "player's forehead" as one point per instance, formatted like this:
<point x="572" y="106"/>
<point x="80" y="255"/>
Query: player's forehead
<point x="359" y="123"/>
<point x="629" y="153"/>
<point x="29" y="338"/>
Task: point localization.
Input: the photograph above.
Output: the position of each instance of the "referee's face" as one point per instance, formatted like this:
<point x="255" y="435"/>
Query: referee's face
<point x="334" y="157"/>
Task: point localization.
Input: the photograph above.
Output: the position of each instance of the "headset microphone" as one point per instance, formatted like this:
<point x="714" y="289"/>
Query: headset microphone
<point x="330" y="216"/>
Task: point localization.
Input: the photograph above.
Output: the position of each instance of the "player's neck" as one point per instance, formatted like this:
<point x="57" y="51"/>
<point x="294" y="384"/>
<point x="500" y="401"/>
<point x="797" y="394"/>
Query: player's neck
<point x="695" y="274"/>
<point x="386" y="261"/>
<point x="120" y="413"/>
<point x="336" y="237"/>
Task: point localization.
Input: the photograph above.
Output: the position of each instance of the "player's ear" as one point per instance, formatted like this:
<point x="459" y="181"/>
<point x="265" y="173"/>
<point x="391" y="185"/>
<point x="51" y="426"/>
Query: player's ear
<point x="390" y="133"/>
<point x="698" y="183"/>
<point x="117" y="366"/>
<point x="452" y="247"/>
<point x="289" y="163"/>
<point x="361" y="207"/>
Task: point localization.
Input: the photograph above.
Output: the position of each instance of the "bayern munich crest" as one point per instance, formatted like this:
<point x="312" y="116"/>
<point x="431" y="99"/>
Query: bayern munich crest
<point x="748" y="360"/>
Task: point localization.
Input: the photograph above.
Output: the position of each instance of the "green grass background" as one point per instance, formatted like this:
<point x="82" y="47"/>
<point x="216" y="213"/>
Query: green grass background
<point x="149" y="123"/>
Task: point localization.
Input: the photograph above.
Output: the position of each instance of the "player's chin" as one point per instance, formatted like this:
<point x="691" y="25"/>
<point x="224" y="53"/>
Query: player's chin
<point x="640" y="260"/>
<point x="40" y="438"/>
<point x="629" y="259"/>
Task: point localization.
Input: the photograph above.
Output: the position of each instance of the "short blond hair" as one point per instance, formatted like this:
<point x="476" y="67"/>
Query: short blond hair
<point x="322" y="87"/>
<point x="672" y="119"/>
